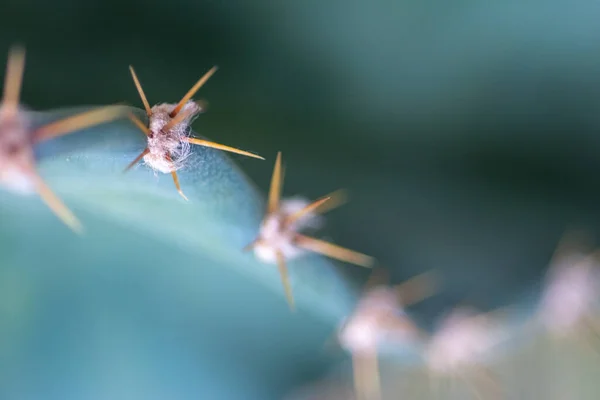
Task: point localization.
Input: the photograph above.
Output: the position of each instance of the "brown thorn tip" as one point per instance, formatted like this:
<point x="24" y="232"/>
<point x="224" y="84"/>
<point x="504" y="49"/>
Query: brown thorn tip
<point x="183" y="195"/>
<point x="336" y="199"/>
<point x="192" y="91"/>
<point x="13" y="78"/>
<point x="140" y="90"/>
<point x="276" y="184"/>
<point x="176" y="181"/>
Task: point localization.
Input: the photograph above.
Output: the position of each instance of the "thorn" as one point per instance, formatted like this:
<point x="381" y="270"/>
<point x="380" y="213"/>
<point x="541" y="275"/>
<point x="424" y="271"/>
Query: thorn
<point x="176" y="181"/>
<point x="13" y="79"/>
<point x="276" y="185"/>
<point x="217" y="146"/>
<point x="138" y="86"/>
<point x="176" y="120"/>
<point x="76" y="122"/>
<point x="193" y="91"/>
<point x="285" y="280"/>
<point x="137" y="159"/>
<point x="417" y="288"/>
<point x="334" y="251"/>
<point x="366" y="375"/>
<point x="57" y="206"/>
<point x="306" y="210"/>
<point x="336" y="199"/>
<point x="140" y="124"/>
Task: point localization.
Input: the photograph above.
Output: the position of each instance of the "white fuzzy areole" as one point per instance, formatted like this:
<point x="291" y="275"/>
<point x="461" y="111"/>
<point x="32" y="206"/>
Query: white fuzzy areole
<point x="364" y="330"/>
<point x="273" y="236"/>
<point x="462" y="340"/>
<point x="360" y="334"/>
<point x="16" y="153"/>
<point x="172" y="142"/>
<point x="570" y="296"/>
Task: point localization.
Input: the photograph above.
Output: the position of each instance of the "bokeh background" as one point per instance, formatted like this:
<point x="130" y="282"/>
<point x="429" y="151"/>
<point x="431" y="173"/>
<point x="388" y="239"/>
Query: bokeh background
<point x="466" y="133"/>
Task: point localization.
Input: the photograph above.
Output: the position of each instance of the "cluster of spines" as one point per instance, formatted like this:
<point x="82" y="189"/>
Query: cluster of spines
<point x="169" y="128"/>
<point x="168" y="134"/>
<point x="17" y="138"/>
<point x="464" y="342"/>
<point x="378" y="314"/>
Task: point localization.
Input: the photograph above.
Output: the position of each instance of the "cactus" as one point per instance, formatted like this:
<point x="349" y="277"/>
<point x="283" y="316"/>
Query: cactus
<point x="156" y="262"/>
<point x="73" y="306"/>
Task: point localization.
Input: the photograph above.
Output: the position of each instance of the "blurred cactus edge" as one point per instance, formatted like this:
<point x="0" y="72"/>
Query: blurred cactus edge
<point x="467" y="140"/>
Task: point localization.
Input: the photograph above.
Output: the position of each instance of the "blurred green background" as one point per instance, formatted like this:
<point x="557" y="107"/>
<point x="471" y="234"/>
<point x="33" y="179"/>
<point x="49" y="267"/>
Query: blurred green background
<point x="465" y="132"/>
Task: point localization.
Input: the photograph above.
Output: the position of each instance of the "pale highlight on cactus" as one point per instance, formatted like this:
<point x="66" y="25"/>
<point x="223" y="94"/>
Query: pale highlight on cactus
<point x="461" y="349"/>
<point x="168" y="132"/>
<point x="378" y="318"/>
<point x="17" y="138"/>
<point x="279" y="239"/>
<point x="569" y="304"/>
